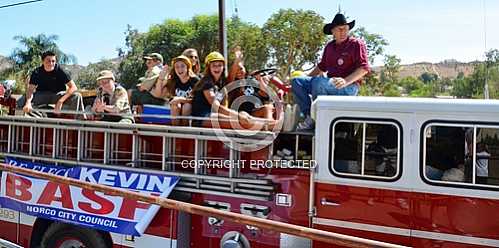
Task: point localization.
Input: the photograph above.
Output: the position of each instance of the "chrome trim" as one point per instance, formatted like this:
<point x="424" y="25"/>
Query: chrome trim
<point x="7" y="244"/>
<point x="408" y="232"/>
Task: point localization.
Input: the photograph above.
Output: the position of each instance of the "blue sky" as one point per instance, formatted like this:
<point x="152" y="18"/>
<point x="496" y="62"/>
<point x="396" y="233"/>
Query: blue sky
<point x="421" y="30"/>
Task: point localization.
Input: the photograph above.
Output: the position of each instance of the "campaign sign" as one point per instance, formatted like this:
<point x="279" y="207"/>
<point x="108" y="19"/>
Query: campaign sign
<point x="71" y="204"/>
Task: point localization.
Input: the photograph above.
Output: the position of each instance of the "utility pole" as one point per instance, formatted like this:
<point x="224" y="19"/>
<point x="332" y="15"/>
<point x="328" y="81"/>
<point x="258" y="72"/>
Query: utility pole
<point x="486" y="85"/>
<point x="222" y="32"/>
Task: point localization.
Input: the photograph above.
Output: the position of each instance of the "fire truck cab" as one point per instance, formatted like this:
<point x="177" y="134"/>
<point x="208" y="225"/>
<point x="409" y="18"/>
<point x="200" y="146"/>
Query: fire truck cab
<point x="416" y="172"/>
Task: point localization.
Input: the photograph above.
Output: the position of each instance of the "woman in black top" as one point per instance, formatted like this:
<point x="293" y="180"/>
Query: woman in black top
<point x="208" y="90"/>
<point x="208" y="96"/>
<point x="178" y="87"/>
<point x="251" y="87"/>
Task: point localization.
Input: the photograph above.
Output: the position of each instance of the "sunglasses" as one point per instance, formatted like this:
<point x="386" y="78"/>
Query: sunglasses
<point x="193" y="56"/>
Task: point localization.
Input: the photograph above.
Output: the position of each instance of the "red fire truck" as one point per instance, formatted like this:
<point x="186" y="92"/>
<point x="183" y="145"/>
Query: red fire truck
<point x="415" y="172"/>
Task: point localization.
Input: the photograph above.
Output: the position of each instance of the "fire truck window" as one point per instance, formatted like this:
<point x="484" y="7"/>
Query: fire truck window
<point x="487" y="156"/>
<point x="445" y="154"/>
<point x="381" y="150"/>
<point x="347" y="147"/>
<point x="450" y="151"/>
<point x="366" y="149"/>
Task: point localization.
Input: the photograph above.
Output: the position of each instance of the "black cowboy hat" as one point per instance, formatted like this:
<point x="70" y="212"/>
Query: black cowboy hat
<point x="339" y="19"/>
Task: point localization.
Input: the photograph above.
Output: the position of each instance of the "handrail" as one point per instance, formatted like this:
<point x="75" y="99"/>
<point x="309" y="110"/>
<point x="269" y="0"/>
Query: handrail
<point x="6" y="120"/>
<point x="305" y="232"/>
<point x="178" y="117"/>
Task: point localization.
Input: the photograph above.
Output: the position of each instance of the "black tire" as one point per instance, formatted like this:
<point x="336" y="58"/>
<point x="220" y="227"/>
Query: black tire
<point x="61" y="235"/>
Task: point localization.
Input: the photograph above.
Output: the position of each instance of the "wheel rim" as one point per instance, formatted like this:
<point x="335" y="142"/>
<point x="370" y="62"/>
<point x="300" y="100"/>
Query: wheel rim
<point x="70" y="242"/>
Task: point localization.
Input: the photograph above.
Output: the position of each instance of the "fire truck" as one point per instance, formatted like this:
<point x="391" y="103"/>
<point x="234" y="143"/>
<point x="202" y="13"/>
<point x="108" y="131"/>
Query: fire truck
<point x="414" y="172"/>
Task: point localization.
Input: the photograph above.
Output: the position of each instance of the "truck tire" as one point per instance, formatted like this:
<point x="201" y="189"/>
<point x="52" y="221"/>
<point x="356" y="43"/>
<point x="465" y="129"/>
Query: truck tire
<point x="62" y="235"/>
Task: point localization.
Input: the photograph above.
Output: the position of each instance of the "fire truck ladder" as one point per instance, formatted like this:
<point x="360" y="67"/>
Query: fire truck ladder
<point x="138" y="147"/>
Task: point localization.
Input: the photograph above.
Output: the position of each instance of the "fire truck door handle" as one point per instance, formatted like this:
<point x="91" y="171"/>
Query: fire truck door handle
<point x="264" y="211"/>
<point x="325" y="202"/>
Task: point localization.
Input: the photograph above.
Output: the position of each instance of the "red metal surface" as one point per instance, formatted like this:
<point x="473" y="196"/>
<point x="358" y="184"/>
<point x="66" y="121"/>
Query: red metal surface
<point x="161" y="225"/>
<point x="294" y="182"/>
<point x="8" y="231"/>
<point x="466" y="216"/>
<point x="365" y="205"/>
<point x="25" y="232"/>
<point x="462" y="216"/>
<point x="4" y="137"/>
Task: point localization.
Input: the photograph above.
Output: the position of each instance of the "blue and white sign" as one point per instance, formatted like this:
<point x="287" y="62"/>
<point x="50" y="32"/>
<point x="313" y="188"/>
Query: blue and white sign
<point x="61" y="202"/>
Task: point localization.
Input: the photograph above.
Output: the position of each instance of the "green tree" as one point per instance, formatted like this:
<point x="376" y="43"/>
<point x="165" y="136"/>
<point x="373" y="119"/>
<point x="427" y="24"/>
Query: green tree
<point x="492" y="58"/>
<point x="375" y="43"/>
<point x="87" y="77"/>
<point x="492" y="72"/>
<point x="473" y="85"/>
<point x="462" y="88"/>
<point x="410" y="84"/>
<point x="294" y="39"/>
<point x="131" y="67"/>
<point x="205" y="36"/>
<point x="172" y="37"/>
<point x="425" y="91"/>
<point x="387" y="84"/>
<point x="391" y="68"/>
<point x="169" y="39"/>
<point x="428" y="77"/>
<point x="251" y="40"/>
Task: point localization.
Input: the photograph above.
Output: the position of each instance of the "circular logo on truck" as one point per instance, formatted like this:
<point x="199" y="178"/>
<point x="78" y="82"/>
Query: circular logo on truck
<point x="253" y="119"/>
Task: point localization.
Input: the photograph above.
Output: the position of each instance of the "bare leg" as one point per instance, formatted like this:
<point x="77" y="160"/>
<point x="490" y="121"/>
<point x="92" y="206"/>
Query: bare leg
<point x="174" y="112"/>
<point x="266" y="112"/>
<point x="129" y="91"/>
<point x="186" y="111"/>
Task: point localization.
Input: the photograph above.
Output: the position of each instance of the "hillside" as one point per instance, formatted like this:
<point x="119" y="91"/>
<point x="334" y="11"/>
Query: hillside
<point x="446" y="69"/>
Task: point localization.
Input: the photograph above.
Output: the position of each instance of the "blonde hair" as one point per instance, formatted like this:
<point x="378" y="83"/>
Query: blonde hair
<point x="196" y="68"/>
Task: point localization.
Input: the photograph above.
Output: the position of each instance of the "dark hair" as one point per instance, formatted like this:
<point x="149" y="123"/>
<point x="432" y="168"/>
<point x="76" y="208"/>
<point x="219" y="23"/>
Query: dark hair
<point x="209" y="77"/>
<point x="47" y="53"/>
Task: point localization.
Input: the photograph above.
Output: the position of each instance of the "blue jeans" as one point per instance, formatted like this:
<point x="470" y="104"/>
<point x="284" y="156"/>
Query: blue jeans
<point x="305" y="86"/>
<point x="433" y="173"/>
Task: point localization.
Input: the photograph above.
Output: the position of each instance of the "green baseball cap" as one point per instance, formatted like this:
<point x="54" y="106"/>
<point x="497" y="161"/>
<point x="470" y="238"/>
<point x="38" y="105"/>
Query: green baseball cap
<point x="155" y="56"/>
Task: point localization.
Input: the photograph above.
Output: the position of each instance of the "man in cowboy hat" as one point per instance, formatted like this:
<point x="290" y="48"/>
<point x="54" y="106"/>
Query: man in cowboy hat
<point x="345" y="62"/>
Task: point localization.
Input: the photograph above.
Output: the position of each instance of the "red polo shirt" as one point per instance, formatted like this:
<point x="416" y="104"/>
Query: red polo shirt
<point x="341" y="60"/>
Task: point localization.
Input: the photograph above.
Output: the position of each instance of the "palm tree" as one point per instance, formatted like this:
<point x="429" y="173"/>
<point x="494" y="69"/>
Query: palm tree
<point x="28" y="58"/>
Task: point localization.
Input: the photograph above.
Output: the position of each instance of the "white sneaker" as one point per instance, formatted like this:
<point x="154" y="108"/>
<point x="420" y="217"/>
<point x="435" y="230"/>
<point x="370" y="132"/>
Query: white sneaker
<point x="306" y="125"/>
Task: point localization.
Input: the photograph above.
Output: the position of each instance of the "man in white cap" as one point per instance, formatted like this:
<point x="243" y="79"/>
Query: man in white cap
<point x="142" y="95"/>
<point x="111" y="100"/>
